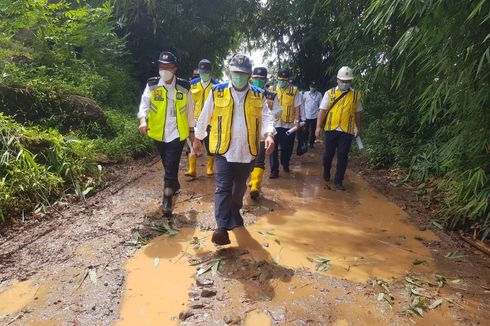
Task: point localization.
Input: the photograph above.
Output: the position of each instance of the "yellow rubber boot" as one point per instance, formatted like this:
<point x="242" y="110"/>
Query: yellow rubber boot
<point x="256" y="182"/>
<point x="210" y="167"/>
<point x="192" y="166"/>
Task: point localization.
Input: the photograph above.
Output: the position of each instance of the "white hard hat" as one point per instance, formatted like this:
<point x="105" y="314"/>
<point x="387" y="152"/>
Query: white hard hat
<point x="345" y="73"/>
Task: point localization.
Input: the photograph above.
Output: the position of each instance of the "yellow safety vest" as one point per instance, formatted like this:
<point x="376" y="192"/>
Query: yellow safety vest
<point x="200" y="94"/>
<point x="222" y="119"/>
<point x="343" y="113"/>
<point x="286" y="98"/>
<point x="158" y="111"/>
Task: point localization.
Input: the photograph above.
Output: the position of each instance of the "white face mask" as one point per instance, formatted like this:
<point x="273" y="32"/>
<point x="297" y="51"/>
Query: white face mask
<point x="166" y="75"/>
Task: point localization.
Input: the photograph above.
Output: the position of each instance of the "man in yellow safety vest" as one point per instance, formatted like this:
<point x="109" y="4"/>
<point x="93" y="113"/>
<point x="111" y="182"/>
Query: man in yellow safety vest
<point x="259" y="79"/>
<point x="340" y="112"/>
<point x="239" y="118"/>
<point x="200" y="89"/>
<point x="290" y="99"/>
<point x="166" y="114"/>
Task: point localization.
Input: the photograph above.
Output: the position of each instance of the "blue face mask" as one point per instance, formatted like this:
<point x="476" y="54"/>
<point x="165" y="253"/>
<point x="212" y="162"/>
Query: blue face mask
<point x="343" y="86"/>
<point x="282" y="83"/>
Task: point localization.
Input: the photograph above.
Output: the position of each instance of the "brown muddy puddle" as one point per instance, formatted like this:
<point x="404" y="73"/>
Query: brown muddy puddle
<point x="16" y="296"/>
<point x="359" y="232"/>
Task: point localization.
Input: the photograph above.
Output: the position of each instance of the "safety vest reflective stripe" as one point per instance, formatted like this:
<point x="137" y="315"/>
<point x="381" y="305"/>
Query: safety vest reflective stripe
<point x="199" y="95"/>
<point x="286" y="98"/>
<point x="222" y="119"/>
<point x="158" y="112"/>
<point x="342" y="114"/>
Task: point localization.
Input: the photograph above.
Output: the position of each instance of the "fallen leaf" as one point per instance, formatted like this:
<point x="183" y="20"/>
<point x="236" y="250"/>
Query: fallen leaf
<point x="437" y="224"/>
<point x="453" y="255"/>
<point x="435" y="304"/>
<point x="92" y="275"/>
<point x="418" y="262"/>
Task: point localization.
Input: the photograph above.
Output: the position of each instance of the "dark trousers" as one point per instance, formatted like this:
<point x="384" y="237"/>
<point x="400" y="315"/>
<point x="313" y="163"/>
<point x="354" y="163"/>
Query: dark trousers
<point x="260" y="158"/>
<point x="286" y="142"/>
<point x="336" y="141"/>
<point x="231" y="185"/>
<point x="170" y="154"/>
<point x="311" y="127"/>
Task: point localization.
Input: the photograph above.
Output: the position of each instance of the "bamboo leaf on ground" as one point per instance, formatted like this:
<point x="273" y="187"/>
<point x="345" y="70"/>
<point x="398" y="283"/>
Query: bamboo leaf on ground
<point x="453" y="255"/>
<point x="435" y="304"/>
<point x="92" y="275"/>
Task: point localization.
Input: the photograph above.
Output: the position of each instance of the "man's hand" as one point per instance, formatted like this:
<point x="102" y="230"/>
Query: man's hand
<point x="197" y="146"/>
<point x="191" y="136"/>
<point x="318" y="132"/>
<point x="143" y="127"/>
<point x="269" y="145"/>
<point x="297" y="124"/>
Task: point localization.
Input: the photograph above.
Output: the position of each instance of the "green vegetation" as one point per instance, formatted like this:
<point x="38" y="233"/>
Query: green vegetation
<point x="38" y="166"/>
<point x="48" y="52"/>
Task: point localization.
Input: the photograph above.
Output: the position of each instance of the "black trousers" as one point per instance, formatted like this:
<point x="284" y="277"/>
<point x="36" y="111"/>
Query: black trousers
<point x="311" y="127"/>
<point x="260" y="158"/>
<point x="170" y="154"/>
<point x="340" y="142"/>
<point x="287" y="143"/>
<point x="231" y="185"/>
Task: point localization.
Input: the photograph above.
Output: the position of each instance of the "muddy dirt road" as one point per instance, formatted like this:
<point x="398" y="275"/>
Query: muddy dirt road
<point x="308" y="256"/>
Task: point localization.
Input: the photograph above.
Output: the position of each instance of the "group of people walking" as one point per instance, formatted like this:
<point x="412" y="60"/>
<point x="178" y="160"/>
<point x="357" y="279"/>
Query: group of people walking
<point x="239" y="122"/>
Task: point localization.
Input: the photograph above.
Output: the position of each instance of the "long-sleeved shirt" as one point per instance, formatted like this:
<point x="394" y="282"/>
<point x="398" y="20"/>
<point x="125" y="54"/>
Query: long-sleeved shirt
<point x="312" y="102"/>
<point x="276" y="109"/>
<point x="171" y="132"/>
<point x="239" y="151"/>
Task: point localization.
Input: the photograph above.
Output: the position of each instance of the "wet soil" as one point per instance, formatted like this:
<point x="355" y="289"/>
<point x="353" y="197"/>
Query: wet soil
<point x="308" y="256"/>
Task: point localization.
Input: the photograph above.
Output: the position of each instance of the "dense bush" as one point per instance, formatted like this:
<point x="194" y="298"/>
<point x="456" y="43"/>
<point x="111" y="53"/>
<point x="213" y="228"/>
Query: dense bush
<point x="424" y="67"/>
<point x="38" y="166"/>
<point x="51" y="50"/>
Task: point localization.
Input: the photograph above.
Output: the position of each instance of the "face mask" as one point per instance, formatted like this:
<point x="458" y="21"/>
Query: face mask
<point x="312" y="89"/>
<point x="343" y="86"/>
<point x="282" y="83"/>
<point x="204" y="77"/>
<point x="258" y="83"/>
<point x="166" y="75"/>
<point x="239" y="81"/>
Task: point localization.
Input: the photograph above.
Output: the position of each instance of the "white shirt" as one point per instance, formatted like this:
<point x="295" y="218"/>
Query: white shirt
<point x="296" y="103"/>
<point x="238" y="151"/>
<point x="325" y="101"/>
<point x="205" y="84"/>
<point x="171" y="132"/>
<point x="276" y="109"/>
<point x="312" y="102"/>
<point x="302" y="114"/>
